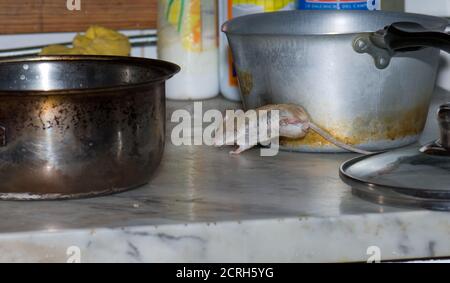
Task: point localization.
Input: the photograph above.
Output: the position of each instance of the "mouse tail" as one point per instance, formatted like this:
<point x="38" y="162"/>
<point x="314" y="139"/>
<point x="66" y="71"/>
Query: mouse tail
<point x="334" y="141"/>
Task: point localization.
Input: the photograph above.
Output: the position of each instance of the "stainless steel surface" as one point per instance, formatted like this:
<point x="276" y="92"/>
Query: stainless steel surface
<point x="405" y="177"/>
<point x="75" y="126"/>
<point x="219" y="207"/>
<point x="307" y="58"/>
<point x="414" y="177"/>
<point x="205" y="184"/>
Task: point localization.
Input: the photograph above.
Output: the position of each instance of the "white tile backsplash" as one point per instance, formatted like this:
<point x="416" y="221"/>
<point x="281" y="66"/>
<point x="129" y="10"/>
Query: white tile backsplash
<point x="439" y="8"/>
<point x="431" y="7"/>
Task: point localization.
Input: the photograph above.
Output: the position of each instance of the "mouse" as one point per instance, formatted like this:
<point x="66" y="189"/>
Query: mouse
<point x="294" y="122"/>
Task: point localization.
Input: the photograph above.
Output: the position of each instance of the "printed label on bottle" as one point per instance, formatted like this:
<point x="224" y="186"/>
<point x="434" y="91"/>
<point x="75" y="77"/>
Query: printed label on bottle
<point x="338" y="4"/>
<point x="185" y="17"/>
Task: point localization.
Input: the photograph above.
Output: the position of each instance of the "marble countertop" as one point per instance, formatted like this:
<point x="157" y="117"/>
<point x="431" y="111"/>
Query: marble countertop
<point x="205" y="205"/>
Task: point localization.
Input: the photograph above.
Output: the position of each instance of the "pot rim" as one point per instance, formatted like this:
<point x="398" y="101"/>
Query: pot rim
<point x="167" y="70"/>
<point x="229" y="29"/>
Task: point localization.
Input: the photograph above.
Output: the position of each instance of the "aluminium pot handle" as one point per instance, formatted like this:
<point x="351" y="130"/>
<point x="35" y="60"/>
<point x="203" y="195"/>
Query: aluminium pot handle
<point x="399" y="37"/>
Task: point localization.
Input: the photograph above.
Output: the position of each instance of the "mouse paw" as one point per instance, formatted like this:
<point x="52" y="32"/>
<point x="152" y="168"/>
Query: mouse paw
<point x="240" y="149"/>
<point x="235" y="152"/>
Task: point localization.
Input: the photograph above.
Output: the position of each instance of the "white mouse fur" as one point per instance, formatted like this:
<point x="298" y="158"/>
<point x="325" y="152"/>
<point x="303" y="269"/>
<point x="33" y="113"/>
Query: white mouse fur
<point x="294" y="123"/>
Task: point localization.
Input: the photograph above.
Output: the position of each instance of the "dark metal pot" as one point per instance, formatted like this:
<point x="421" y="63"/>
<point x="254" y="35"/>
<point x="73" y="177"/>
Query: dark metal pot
<point x="78" y="126"/>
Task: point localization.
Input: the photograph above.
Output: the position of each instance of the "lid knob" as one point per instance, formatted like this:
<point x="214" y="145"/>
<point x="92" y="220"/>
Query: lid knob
<point x="444" y="125"/>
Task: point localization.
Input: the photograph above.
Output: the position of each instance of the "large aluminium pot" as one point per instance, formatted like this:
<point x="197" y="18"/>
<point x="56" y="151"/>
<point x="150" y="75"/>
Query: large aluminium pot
<point x="77" y="126"/>
<point x="341" y="71"/>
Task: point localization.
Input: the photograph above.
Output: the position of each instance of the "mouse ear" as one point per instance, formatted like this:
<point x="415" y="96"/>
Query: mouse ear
<point x="303" y="114"/>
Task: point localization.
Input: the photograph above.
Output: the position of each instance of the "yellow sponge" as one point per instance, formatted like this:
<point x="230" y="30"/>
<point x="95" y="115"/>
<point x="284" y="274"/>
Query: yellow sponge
<point x="96" y="41"/>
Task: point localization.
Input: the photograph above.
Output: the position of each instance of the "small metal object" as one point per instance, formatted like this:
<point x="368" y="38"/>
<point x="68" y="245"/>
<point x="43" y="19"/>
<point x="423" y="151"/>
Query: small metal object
<point x="435" y="148"/>
<point x="444" y="125"/>
<point x="405" y="177"/>
<point x="441" y="146"/>
<point x="363" y="44"/>
<point x="2" y="136"/>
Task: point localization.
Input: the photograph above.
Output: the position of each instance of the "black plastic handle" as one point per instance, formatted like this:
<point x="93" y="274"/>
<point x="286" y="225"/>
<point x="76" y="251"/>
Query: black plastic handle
<point x="407" y="36"/>
<point x="398" y="37"/>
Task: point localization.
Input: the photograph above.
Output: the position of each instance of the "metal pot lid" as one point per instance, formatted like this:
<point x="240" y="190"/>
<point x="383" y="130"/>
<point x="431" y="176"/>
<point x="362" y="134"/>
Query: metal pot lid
<point x="418" y="177"/>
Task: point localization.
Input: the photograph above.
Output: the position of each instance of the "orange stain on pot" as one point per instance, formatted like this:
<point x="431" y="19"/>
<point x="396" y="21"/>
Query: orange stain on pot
<point x="388" y="127"/>
<point x="245" y="82"/>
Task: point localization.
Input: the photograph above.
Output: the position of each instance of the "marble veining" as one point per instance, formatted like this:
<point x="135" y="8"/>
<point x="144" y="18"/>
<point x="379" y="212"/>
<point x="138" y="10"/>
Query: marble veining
<point x="411" y="234"/>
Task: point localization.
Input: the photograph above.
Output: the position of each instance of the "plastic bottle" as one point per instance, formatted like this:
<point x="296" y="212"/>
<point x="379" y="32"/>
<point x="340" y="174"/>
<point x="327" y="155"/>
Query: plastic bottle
<point x="187" y="36"/>
<point x="234" y="8"/>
